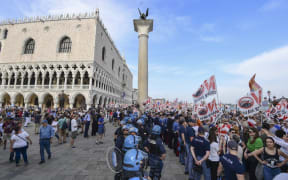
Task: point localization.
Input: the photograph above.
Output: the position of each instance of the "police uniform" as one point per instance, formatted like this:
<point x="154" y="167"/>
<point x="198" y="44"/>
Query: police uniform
<point x="156" y="150"/>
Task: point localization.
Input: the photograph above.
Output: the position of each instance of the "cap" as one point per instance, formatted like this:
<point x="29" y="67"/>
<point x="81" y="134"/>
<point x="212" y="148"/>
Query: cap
<point x="270" y="121"/>
<point x="45" y="121"/>
<point x="233" y="145"/>
<point x="201" y="130"/>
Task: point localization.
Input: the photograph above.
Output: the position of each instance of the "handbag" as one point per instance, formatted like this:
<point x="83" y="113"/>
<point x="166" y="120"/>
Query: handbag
<point x="27" y="146"/>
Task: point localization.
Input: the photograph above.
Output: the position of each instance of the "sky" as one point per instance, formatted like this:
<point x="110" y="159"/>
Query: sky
<point x="191" y="40"/>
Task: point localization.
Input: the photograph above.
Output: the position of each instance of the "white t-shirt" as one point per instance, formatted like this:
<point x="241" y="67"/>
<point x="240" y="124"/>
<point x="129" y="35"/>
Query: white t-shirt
<point x="214" y="148"/>
<point x="1" y="127"/>
<point x="74" y="125"/>
<point x="20" y="142"/>
<point x="54" y="125"/>
<point x="196" y="130"/>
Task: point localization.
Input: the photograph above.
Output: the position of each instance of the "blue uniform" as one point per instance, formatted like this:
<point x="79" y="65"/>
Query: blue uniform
<point x="156" y="150"/>
<point x="232" y="166"/>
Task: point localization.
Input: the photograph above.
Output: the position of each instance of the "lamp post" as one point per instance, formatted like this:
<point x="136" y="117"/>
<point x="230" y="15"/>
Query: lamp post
<point x="269" y="94"/>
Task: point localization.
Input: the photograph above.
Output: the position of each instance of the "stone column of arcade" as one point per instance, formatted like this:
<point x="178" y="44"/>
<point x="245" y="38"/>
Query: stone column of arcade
<point x="143" y="27"/>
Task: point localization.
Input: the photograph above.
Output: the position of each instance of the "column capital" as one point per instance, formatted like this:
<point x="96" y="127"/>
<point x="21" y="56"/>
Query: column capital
<point x="143" y="26"/>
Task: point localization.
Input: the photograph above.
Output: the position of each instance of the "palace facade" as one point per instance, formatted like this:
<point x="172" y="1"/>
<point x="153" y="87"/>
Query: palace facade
<point x="67" y="57"/>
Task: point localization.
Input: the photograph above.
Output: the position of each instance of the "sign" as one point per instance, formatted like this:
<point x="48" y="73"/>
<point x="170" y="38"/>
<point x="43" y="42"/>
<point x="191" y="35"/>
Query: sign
<point x="207" y="88"/>
<point x="248" y="105"/>
<point x="205" y="112"/>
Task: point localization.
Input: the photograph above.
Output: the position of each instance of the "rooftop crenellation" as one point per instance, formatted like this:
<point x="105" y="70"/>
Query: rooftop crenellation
<point x="60" y="17"/>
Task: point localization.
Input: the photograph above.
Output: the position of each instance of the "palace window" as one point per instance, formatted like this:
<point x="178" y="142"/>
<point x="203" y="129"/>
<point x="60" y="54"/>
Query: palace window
<point x="5" y="34"/>
<point x="29" y="46"/>
<point x="113" y="62"/>
<point x="103" y="53"/>
<point x="65" y="45"/>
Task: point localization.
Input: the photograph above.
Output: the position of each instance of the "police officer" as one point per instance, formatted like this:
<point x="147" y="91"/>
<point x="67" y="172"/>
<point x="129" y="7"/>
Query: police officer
<point x="157" y="153"/>
<point x="134" y="164"/>
<point x="119" y="130"/>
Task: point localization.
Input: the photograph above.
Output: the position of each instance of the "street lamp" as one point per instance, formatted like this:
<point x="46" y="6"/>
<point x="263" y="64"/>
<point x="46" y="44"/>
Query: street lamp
<point x="269" y="94"/>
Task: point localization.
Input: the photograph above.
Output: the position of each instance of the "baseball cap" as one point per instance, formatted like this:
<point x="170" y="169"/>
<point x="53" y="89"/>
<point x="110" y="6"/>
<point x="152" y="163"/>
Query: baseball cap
<point x="201" y="130"/>
<point x="233" y="145"/>
<point x="45" y="121"/>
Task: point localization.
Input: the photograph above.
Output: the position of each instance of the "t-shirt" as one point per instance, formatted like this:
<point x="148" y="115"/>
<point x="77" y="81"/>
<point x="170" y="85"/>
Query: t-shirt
<point x="190" y="133"/>
<point x="196" y="130"/>
<point x="182" y="130"/>
<point x="201" y="145"/>
<point x="214" y="148"/>
<point x="232" y="166"/>
<point x="20" y="142"/>
<point x="1" y="125"/>
<point x="256" y="145"/>
<point x="74" y="125"/>
<point x="54" y="125"/>
<point x="101" y="120"/>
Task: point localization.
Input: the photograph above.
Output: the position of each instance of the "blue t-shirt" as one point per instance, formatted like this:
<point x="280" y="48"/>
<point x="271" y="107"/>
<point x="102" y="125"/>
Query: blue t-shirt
<point x="101" y="120"/>
<point x="182" y="130"/>
<point x="175" y="126"/>
<point x="190" y="133"/>
<point x="201" y="145"/>
<point x="159" y="142"/>
<point x="232" y="166"/>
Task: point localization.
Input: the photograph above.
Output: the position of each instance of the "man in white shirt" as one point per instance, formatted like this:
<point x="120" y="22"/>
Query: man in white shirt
<point x="74" y="129"/>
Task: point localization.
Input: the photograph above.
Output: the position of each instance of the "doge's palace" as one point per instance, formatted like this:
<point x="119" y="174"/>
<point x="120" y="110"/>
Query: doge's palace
<point x="69" y="57"/>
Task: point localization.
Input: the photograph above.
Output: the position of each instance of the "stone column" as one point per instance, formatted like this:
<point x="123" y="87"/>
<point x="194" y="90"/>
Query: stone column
<point x="29" y="80"/>
<point x="81" y="82"/>
<point x="50" y="81"/>
<point x="143" y="27"/>
<point x="90" y="83"/>
<point x="58" y="80"/>
<point x="65" y="81"/>
<point x="36" y="81"/>
<point x="22" y="81"/>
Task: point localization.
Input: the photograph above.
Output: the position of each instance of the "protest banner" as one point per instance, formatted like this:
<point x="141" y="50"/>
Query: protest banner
<point x="206" y="111"/>
<point x="207" y="88"/>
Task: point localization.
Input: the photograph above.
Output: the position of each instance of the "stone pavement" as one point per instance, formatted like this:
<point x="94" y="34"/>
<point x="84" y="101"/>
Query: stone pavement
<point x="86" y="162"/>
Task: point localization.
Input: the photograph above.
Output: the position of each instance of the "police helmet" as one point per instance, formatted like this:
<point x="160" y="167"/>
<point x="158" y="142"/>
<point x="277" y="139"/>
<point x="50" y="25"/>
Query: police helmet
<point x="122" y="122"/>
<point x="133" y="130"/>
<point x="130" y="142"/>
<point x="125" y="127"/>
<point x="134" y="160"/>
<point x="137" y="178"/>
<point x="156" y="130"/>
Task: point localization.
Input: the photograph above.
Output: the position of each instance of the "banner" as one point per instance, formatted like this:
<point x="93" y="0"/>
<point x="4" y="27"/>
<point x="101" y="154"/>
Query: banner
<point x="205" y="112"/>
<point x="248" y="105"/>
<point x="207" y="88"/>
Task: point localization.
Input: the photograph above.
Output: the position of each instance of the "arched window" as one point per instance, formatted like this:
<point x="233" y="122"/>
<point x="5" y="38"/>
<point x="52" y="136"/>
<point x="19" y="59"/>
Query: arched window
<point x="0" y="47"/>
<point x="113" y="62"/>
<point x="65" y="45"/>
<point x="103" y="53"/>
<point x="5" y="34"/>
<point x="29" y="46"/>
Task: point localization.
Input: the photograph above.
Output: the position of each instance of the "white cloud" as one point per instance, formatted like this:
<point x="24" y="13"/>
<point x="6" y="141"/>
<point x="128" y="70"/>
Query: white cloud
<point x="272" y="5"/>
<point x="271" y="73"/>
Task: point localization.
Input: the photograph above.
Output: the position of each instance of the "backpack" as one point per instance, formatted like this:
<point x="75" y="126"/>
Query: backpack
<point x="64" y="125"/>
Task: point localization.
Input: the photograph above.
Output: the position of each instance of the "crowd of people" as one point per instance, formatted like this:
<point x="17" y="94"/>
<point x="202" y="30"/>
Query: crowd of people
<point x="231" y="148"/>
<point x="58" y="124"/>
<point x="234" y="147"/>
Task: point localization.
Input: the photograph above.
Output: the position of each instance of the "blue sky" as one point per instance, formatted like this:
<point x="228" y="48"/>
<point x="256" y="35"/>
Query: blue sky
<point x="192" y="40"/>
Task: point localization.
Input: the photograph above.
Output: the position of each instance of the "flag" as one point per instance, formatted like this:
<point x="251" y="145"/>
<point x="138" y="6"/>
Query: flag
<point x="207" y="88"/>
<point x="253" y="85"/>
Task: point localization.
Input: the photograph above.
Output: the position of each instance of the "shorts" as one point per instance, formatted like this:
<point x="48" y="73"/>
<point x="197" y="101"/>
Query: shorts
<point x="63" y="132"/>
<point x="7" y="136"/>
<point x="100" y="130"/>
<point x="74" y="134"/>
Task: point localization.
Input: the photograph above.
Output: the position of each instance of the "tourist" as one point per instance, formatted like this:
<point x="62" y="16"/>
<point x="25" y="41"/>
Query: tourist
<point x="87" y="120"/>
<point x="94" y="123"/>
<point x="8" y="127"/>
<point x="254" y="143"/>
<point x="55" y="129"/>
<point x="74" y="130"/>
<point x="181" y="138"/>
<point x="19" y="144"/>
<point x="63" y="126"/>
<point x="46" y="134"/>
<point x="100" y="129"/>
<point x="233" y="169"/>
<point x="37" y="120"/>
